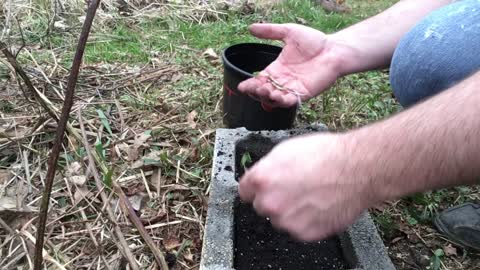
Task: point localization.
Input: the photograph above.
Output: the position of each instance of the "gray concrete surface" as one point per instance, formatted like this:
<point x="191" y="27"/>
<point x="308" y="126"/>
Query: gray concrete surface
<point x="361" y="243"/>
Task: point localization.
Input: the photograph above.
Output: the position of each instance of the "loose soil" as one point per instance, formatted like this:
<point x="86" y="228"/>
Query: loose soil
<point x="259" y="246"/>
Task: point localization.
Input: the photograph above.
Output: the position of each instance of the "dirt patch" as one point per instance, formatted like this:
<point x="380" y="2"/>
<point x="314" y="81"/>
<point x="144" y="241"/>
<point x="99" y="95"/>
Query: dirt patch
<point x="259" y="246"/>
<point x="413" y="245"/>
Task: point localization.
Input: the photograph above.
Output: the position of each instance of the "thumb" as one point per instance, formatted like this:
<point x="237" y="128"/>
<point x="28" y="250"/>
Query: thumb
<point x="269" y="31"/>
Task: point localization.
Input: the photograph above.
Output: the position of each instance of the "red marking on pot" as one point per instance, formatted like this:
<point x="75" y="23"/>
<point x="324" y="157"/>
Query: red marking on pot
<point x="266" y="107"/>
<point x="230" y="92"/>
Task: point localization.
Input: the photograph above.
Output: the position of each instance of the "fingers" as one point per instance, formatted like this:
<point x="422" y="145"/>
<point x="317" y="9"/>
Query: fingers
<point x="262" y="90"/>
<point x="266" y="205"/>
<point x="249" y="186"/>
<point x="283" y="99"/>
<point x="269" y="31"/>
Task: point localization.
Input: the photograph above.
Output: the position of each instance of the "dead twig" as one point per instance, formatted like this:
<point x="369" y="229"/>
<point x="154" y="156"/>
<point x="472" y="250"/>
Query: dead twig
<point x="123" y="243"/>
<point x="130" y="213"/>
<point x="62" y="125"/>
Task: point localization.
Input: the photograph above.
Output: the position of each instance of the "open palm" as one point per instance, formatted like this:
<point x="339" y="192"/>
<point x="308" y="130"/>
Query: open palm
<point x="305" y="67"/>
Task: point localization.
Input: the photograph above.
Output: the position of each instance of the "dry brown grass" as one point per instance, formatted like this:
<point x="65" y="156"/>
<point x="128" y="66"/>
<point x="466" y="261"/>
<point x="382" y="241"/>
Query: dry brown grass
<point x="154" y="148"/>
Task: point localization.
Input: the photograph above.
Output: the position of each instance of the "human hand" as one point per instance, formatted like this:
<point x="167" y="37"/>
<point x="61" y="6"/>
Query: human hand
<point x="309" y="63"/>
<point x="309" y="186"/>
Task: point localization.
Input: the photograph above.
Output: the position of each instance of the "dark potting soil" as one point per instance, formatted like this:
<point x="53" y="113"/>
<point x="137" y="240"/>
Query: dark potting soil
<point x="260" y="246"/>
<point x="256" y="146"/>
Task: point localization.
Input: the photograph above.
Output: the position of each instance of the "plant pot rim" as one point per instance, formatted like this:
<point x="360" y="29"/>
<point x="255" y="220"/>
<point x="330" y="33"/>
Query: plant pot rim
<point x="229" y="64"/>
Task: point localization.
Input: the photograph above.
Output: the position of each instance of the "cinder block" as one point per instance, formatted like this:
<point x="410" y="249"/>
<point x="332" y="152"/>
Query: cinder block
<point x="361" y="244"/>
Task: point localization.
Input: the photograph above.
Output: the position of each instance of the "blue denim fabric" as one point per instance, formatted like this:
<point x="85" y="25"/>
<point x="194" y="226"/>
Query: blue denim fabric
<point x="441" y="50"/>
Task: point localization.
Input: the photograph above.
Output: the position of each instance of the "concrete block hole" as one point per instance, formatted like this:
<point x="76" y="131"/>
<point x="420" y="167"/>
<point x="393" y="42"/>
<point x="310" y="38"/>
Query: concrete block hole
<point x="237" y="238"/>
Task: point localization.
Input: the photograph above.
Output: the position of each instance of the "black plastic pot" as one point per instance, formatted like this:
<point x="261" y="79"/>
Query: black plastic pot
<point x="240" y="61"/>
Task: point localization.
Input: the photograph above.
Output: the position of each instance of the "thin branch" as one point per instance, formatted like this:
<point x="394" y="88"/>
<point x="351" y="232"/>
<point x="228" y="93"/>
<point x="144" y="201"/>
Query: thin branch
<point x="6" y="227"/>
<point x="62" y="125"/>
<point x="130" y="213"/>
<point x="23" y="37"/>
<point x="123" y="243"/>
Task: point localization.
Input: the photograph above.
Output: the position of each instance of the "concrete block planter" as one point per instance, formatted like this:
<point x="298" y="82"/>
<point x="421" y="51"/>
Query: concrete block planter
<point x="235" y="238"/>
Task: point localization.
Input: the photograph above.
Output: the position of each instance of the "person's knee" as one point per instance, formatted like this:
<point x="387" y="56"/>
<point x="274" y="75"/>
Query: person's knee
<point x="437" y="53"/>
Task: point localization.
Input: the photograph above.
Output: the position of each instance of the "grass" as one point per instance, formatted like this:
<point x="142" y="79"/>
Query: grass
<point x="354" y="101"/>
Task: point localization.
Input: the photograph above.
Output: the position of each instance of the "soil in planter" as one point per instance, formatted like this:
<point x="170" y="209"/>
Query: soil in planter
<point x="259" y="246"/>
<point x="255" y="146"/>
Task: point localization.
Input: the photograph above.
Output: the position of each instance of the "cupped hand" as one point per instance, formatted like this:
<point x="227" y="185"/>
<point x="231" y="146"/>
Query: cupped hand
<point x="308" y="64"/>
<point x="308" y="186"/>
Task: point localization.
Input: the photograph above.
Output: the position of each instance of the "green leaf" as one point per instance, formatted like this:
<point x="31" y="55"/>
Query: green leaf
<point x="246" y="160"/>
<point x="151" y="161"/>
<point x="81" y="152"/>
<point x="164" y="156"/>
<point x="411" y="220"/>
<point x="62" y="202"/>
<point x="99" y="149"/>
<point x="436" y="260"/>
<point x="435" y="263"/>
<point x="439" y="252"/>
<point x="107" y="178"/>
<point x="197" y="172"/>
<point x="104" y="120"/>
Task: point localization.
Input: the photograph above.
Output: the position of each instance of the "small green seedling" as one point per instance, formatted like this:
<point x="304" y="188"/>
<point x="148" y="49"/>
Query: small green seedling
<point x="246" y="160"/>
<point x="436" y="259"/>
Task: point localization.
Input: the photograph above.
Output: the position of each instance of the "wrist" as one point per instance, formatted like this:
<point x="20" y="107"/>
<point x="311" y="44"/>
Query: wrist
<point x="346" y="56"/>
<point x="363" y="168"/>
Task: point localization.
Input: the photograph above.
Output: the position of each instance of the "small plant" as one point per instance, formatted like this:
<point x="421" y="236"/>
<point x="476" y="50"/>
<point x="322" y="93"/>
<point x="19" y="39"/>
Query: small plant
<point x="246" y="160"/>
<point x="387" y="225"/>
<point x="436" y="259"/>
<point x="6" y="107"/>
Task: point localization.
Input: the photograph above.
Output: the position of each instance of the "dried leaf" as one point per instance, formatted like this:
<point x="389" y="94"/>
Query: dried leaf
<point x="4" y="176"/>
<point x="177" y="77"/>
<point x="450" y="250"/>
<point x="156" y="179"/>
<point x="191" y="119"/>
<point x="8" y="203"/>
<point x="301" y="20"/>
<point x="396" y="240"/>
<point x="139" y="143"/>
<point x="14" y="132"/>
<point x="171" y="243"/>
<point x="210" y="54"/>
<point x="78" y="180"/>
<point x="136" y="202"/>
<point x="60" y="25"/>
<point x="151" y="159"/>
<point x="80" y="193"/>
<point x="75" y="168"/>
<point x="188" y="256"/>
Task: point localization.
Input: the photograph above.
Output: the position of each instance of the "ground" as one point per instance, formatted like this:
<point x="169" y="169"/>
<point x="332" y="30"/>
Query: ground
<point x="149" y="97"/>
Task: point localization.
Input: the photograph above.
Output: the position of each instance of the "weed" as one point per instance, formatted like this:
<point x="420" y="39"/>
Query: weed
<point x="436" y="259"/>
<point x="6" y="106"/>
<point x="387" y="225"/>
<point x="246" y="160"/>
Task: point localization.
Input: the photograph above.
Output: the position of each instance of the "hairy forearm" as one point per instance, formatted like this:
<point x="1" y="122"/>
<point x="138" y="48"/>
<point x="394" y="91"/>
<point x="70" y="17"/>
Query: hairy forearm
<point x="431" y="145"/>
<point x="370" y="44"/>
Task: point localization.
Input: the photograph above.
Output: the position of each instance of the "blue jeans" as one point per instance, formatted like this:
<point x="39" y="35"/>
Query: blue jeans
<point x="440" y="51"/>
